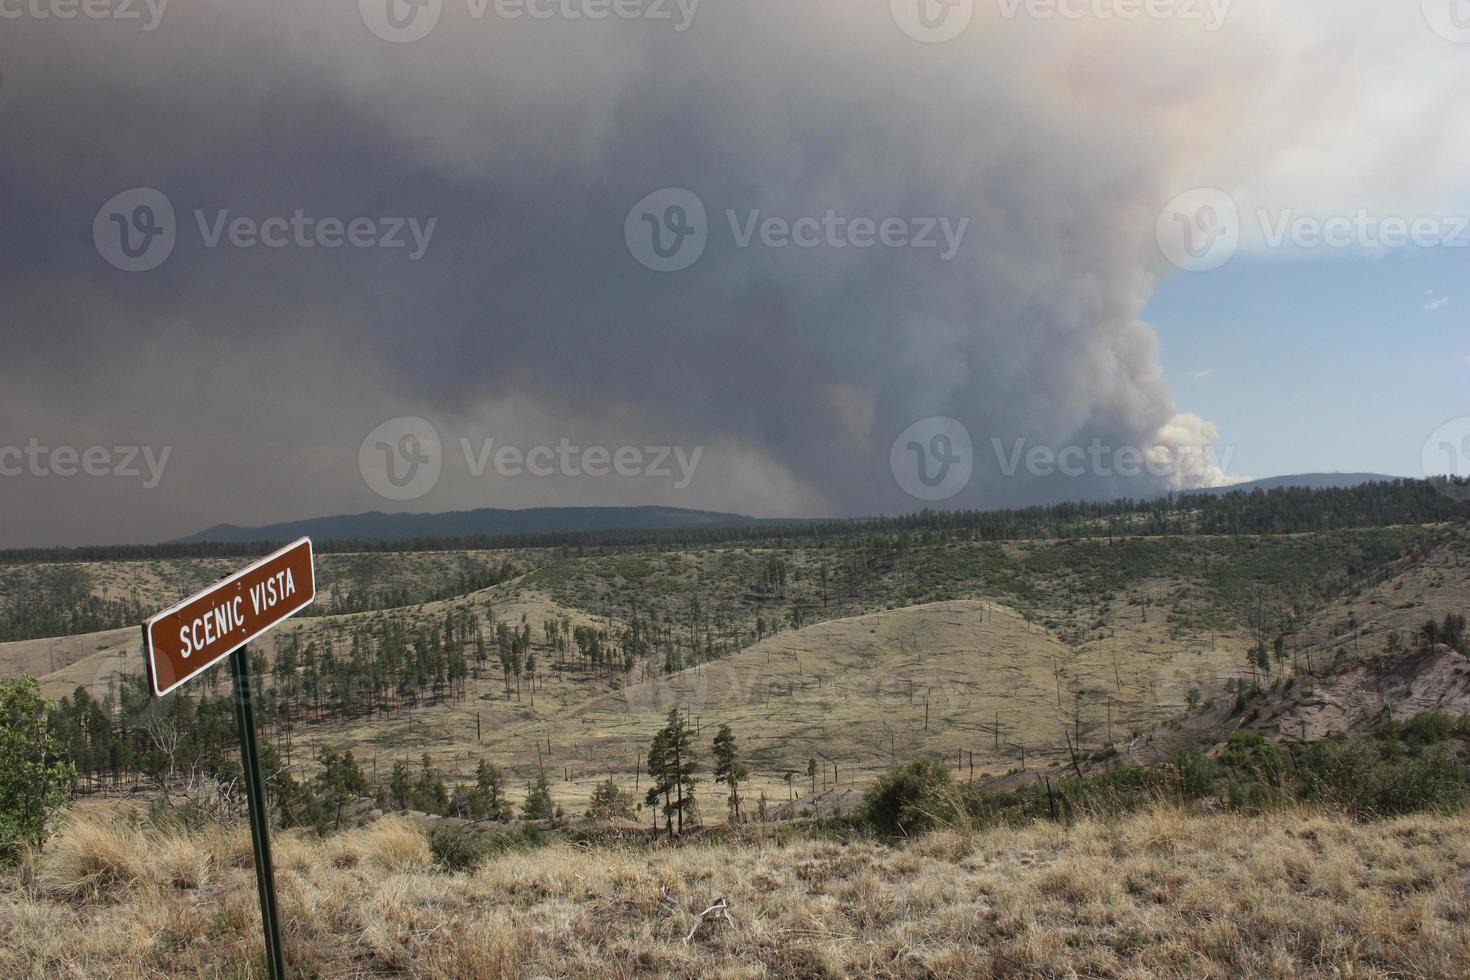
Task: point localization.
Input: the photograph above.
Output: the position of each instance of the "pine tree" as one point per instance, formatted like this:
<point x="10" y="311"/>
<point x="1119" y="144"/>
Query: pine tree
<point x="729" y="769"/>
<point x="671" y="762"/>
<point x="610" y="802"/>
<point x="340" y="782"/>
<point x="400" y="787"/>
<point x="487" y="799"/>
<point x="429" y="792"/>
<point x="538" y="801"/>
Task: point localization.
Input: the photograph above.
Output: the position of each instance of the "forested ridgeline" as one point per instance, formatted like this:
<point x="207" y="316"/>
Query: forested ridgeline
<point x="1279" y="511"/>
<point x="51" y="600"/>
<point x="60" y="600"/>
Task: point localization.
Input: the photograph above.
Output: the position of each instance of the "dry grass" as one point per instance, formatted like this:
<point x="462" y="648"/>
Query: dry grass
<point x="1157" y="894"/>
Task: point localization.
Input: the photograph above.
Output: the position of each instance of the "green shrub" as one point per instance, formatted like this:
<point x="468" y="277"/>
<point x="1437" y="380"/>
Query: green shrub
<point x="911" y="798"/>
<point x="1375" y="779"/>
<point x="610" y="802"/>
<point x="1432" y="781"/>
<point x="1429" y="728"/>
<point x="461" y="848"/>
<point x="34" y="777"/>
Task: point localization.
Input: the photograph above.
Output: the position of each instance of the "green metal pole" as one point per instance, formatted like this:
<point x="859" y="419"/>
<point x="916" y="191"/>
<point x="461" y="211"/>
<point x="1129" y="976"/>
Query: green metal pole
<point x="265" y="879"/>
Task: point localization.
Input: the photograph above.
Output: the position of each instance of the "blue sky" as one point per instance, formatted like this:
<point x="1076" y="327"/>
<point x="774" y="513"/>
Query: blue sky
<point x="1321" y="364"/>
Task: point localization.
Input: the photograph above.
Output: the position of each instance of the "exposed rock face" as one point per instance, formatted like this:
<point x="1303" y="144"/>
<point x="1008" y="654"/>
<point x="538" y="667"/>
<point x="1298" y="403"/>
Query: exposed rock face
<point x="1358" y="694"/>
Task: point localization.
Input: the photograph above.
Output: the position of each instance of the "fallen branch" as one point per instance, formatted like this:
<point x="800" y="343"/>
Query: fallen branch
<point x="720" y="906"/>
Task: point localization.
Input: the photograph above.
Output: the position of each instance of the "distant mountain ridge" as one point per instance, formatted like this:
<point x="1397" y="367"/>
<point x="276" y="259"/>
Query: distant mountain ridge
<point x="377" y="526"/>
<point x="1308" y="481"/>
<point x="492" y="522"/>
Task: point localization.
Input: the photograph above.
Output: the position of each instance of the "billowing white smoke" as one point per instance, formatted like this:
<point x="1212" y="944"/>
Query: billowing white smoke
<point x="1187" y="451"/>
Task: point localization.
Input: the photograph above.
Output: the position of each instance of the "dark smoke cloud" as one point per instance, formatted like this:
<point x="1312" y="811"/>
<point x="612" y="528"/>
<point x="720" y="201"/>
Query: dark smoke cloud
<point x="528" y="319"/>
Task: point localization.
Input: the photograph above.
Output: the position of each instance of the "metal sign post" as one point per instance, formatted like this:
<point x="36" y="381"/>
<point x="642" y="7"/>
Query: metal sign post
<point x="184" y="641"/>
<point x="260" y="825"/>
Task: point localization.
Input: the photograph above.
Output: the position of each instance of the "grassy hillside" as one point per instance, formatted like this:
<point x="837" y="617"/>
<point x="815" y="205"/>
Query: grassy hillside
<point x="832" y="659"/>
<point x="1100" y="640"/>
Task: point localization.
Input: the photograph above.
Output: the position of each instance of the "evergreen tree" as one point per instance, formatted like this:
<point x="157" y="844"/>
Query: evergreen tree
<point x="487" y="799"/>
<point x="340" y="782"/>
<point x="729" y="769"/>
<point x="429" y="792"/>
<point x="610" y="802"/>
<point x="400" y="786"/>
<point x="538" y="801"/>
<point x="671" y="762"/>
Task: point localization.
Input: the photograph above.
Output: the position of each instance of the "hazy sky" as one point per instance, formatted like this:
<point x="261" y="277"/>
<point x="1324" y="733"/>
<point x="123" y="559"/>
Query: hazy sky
<point x="263" y="261"/>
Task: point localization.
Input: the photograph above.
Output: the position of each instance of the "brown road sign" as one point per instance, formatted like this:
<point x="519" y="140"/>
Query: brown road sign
<point x="184" y="641"/>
